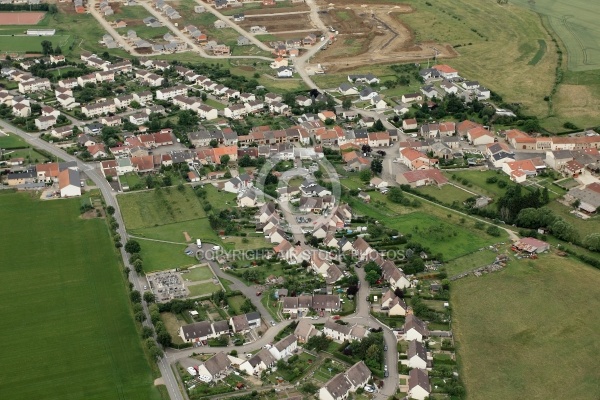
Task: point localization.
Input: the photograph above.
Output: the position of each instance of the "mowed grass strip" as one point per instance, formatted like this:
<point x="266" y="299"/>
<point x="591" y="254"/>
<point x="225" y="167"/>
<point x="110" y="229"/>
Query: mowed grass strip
<point x="67" y="329"/>
<point x="159" y="207"/>
<point x="530" y="331"/>
<point x="11" y="141"/>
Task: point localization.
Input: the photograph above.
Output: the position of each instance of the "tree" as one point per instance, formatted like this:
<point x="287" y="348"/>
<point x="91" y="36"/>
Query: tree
<point x="135" y="296"/>
<point x="149" y="297"/>
<point x="347" y="103"/>
<point x="318" y="343"/>
<point x="225" y="159"/>
<point x="592" y="242"/>
<point x="395" y="195"/>
<point x="132" y="246"/>
<point x="140" y="316"/>
<point x="493" y="230"/>
<point x="366" y="148"/>
<point x="138" y="266"/>
<point x="247" y="306"/>
<point x="110" y="210"/>
<point x="376" y="166"/>
<point x="365" y="175"/>
<point x="378" y="126"/>
<point x="46" y="47"/>
<point x="147" y="332"/>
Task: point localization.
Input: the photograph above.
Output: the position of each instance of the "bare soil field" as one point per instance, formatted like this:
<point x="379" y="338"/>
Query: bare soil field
<point x="21" y="18"/>
<point x="275" y="11"/>
<point x="372" y="33"/>
<point x="282" y="23"/>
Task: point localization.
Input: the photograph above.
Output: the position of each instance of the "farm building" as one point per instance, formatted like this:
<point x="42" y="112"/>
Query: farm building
<point x="531" y="245"/>
<point x="41" y="32"/>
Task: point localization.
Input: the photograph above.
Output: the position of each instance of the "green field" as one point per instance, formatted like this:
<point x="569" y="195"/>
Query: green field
<point x="67" y="328"/>
<point x="159" y="207"/>
<point x="199" y="274"/>
<point x="469" y="262"/>
<point x="203" y="289"/>
<point x="159" y="256"/>
<point x="23" y="44"/>
<point x="478" y="180"/>
<point x="12" y="141"/>
<point x="530" y="331"/>
<point x="446" y="194"/>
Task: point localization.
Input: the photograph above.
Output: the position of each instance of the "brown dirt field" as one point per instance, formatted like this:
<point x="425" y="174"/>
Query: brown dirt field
<point x="187" y="237"/>
<point x="21" y="18"/>
<point x="372" y="34"/>
<point x="274" y="10"/>
<point x="281" y="23"/>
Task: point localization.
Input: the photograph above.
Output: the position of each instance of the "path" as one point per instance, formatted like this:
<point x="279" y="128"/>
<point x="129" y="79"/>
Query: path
<point x="274" y="14"/>
<point x="157" y="240"/>
<point x="283" y="32"/>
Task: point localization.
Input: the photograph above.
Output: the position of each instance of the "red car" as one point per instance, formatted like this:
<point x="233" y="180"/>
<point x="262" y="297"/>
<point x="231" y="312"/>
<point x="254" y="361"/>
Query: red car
<point x="336" y="317"/>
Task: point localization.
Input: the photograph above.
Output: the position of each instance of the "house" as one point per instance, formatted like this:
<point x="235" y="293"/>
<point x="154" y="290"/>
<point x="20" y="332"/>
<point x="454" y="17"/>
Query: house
<point x="170" y="92"/>
<point x="219" y="24"/>
<point x="394" y="275"/>
<point x="69" y="183"/>
<point x="239" y="324"/>
<point x="378" y="103"/>
<point x="285" y="347"/>
<point x="342" y="333"/>
<point x="558" y="159"/>
<point x="415" y="329"/>
<point x="446" y="71"/>
<point x="410" y="97"/>
<point x="531" y="245"/>
<point x="429" y="73"/>
<point x="247" y="198"/>
<point x="416" y="355"/>
<point x="261" y="361"/>
<point x="305" y="330"/>
<point x="364" y="196"/>
<point x="214" y="368"/>
<point x="419" y="387"/>
<point x="34" y="85"/>
<point x="480" y="136"/>
<point x="344" y="383"/>
<point x="97" y="151"/>
<point x="61" y="132"/>
<point x="518" y="171"/>
<point x="393" y="304"/>
<point x="416" y="160"/>
<point x="362" y="249"/>
<point x="449" y="87"/>
<point x="243" y="41"/>
<point x="378" y="183"/>
<point x="196" y="332"/>
<point x="193" y="176"/>
<point x="369" y="79"/>
<point x="347" y="89"/>
<point x="430" y="91"/>
<point x="21" y="110"/>
<point x="367" y="93"/>
<point x="409" y="124"/>
<point x="589" y="197"/>
<point x="325" y="115"/>
<point x="44" y="122"/>
<point x="285" y="72"/>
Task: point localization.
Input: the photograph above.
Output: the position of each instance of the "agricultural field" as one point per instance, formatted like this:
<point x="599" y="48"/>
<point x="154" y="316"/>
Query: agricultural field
<point x="68" y="284"/>
<point x="528" y="331"/>
<point x="133" y="16"/>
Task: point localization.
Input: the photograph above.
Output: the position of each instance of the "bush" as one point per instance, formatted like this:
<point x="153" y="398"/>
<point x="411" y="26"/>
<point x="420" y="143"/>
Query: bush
<point x="493" y="230"/>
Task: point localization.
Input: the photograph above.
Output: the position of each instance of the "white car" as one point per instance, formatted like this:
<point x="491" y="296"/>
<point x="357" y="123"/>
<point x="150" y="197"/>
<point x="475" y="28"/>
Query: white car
<point x="216" y="248"/>
<point x="369" y="389"/>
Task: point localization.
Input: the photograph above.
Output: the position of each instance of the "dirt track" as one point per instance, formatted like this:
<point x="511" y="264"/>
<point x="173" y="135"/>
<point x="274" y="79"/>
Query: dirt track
<point x="279" y="23"/>
<point x="372" y="34"/>
<point x="21" y="18"/>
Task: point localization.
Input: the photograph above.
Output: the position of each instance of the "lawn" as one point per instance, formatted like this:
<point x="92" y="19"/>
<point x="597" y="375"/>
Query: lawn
<point x="68" y="285"/>
<point x="235" y="303"/>
<point x="478" y="179"/>
<point x="203" y="289"/>
<point x="196" y="228"/>
<point x="469" y="262"/>
<point x="202" y="273"/>
<point x="159" y="256"/>
<point x="12" y="141"/>
<point x="529" y="331"/>
<point x="159" y="207"/>
<point x="446" y="194"/>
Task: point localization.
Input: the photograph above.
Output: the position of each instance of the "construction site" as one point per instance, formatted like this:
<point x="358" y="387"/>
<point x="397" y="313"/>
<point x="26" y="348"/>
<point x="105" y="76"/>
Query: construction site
<point x="372" y="34"/>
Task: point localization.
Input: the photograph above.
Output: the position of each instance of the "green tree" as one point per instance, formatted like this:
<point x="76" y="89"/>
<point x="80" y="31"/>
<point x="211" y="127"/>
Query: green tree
<point x="365" y="175"/>
<point x="395" y="195"/>
<point x="138" y="266"/>
<point x="347" y="103"/>
<point x="110" y="210"/>
<point x="149" y="297"/>
<point x="132" y="246"/>
<point x="140" y="316"/>
<point x="135" y="296"/>
<point x="493" y="230"/>
<point x="147" y="332"/>
<point x="225" y="159"/>
<point x="592" y="242"/>
<point x="376" y="166"/>
<point x="46" y="47"/>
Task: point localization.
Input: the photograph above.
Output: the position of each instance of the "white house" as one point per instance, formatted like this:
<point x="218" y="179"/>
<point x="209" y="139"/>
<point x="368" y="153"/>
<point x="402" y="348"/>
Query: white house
<point x="285" y="347"/>
<point x="196" y="332"/>
<point x="416" y="356"/>
<point x="69" y="183"/>
<point x="419" y="387"/>
<point x="415" y="329"/>
<point x="261" y="361"/>
<point x="342" y="384"/>
<point x="214" y="368"/>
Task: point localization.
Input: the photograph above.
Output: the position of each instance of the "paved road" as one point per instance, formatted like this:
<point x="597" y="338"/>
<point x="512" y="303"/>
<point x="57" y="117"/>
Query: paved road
<point x="109" y="198"/>
<point x="118" y="38"/>
<point x="235" y="26"/>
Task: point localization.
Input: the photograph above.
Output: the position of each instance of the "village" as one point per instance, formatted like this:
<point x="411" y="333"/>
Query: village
<point x="147" y="123"/>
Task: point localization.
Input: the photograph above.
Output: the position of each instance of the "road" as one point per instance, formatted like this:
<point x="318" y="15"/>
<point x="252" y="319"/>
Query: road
<point x="118" y="38"/>
<point x="236" y="27"/>
<point x="110" y="200"/>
